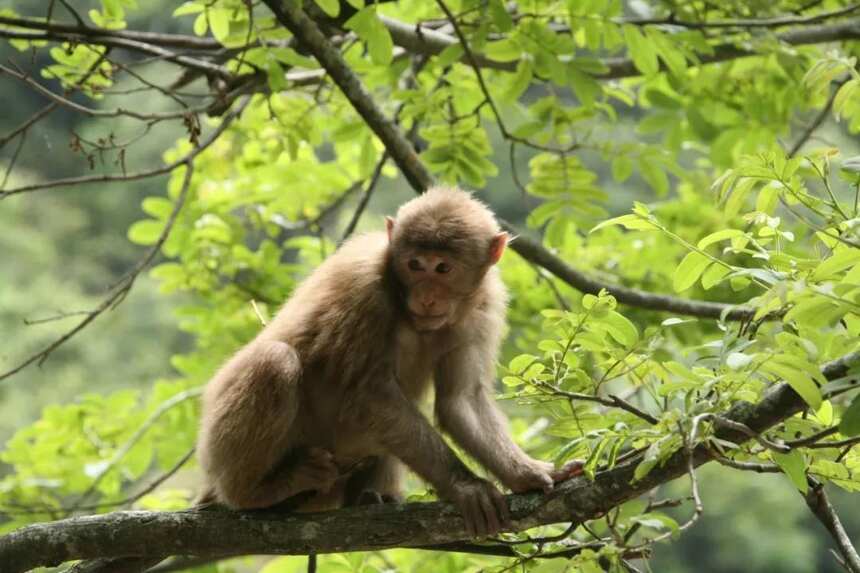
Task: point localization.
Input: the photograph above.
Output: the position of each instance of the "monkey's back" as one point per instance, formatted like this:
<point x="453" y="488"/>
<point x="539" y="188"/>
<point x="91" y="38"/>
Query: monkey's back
<point x="343" y="314"/>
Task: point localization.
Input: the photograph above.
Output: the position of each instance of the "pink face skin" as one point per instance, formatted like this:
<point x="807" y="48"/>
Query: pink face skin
<point x="432" y="278"/>
<point x="437" y="281"/>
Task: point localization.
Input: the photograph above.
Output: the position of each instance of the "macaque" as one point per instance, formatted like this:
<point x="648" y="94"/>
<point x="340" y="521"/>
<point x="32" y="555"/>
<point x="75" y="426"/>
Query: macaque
<point x="322" y="405"/>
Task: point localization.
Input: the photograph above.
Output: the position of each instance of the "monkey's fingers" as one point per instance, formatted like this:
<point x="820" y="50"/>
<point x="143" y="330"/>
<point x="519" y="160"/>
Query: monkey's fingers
<point x="501" y="505"/>
<point x="472" y="517"/>
<point x="571" y="469"/>
<point x="491" y="517"/>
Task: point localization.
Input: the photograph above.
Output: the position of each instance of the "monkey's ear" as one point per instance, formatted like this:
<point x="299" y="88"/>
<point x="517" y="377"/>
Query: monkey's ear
<point x="389" y="226"/>
<point x="497" y="247"/>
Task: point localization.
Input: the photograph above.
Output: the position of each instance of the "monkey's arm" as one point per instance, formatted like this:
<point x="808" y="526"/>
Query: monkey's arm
<point x="397" y="424"/>
<point x="466" y="411"/>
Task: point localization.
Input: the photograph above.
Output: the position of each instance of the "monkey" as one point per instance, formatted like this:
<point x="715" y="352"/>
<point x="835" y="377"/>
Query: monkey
<point x="323" y="405"/>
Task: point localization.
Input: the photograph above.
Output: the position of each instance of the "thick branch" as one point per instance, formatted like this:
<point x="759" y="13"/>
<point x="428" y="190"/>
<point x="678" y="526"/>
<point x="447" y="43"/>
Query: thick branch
<point x="223" y="534"/>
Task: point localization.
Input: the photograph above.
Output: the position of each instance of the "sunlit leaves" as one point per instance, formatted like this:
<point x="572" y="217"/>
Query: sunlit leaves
<point x="689" y="270"/>
<point x="373" y="32"/>
<point x="802" y="376"/>
<point x="568" y="185"/>
<point x="850" y="424"/>
<point x="794" y="466"/>
<point x="459" y="154"/>
<point x="642" y="51"/>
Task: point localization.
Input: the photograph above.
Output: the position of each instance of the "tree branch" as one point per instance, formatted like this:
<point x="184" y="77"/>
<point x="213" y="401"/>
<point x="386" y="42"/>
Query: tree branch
<point x="225" y="533"/>
<point x="820" y="506"/>
<point x="417" y="39"/>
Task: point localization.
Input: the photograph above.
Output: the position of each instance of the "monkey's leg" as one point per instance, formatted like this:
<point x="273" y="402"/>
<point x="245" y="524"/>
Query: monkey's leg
<point x="248" y="435"/>
<point x="379" y="482"/>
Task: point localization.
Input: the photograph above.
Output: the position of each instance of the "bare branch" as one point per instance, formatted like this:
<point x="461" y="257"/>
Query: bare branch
<point x="816" y="121"/>
<point x="365" y="197"/>
<point x="32" y="120"/>
<point x="118" y="112"/>
<point x="820" y="506"/>
<point x="775" y="22"/>
<point x="178" y="41"/>
<point x="167" y="168"/>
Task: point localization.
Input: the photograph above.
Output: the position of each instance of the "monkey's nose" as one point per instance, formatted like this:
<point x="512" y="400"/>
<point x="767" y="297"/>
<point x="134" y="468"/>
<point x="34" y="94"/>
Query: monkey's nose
<point x="428" y="303"/>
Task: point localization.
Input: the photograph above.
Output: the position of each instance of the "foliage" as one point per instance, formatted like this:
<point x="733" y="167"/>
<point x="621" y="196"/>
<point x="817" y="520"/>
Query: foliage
<point x="724" y="210"/>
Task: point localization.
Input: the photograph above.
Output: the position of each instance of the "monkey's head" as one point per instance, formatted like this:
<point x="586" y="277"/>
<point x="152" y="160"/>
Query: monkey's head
<point x="442" y="244"/>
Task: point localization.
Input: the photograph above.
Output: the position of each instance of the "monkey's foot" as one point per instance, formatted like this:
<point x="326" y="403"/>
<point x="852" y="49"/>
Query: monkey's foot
<point x="316" y="471"/>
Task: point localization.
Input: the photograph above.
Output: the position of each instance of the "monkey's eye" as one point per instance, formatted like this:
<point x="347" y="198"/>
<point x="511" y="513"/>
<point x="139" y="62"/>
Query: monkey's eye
<point x="414" y="265"/>
<point x="443" y="268"/>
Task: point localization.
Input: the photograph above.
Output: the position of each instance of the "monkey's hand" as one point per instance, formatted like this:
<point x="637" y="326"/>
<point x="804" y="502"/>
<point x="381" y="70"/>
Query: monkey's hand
<point x="484" y="508"/>
<point x="541" y="475"/>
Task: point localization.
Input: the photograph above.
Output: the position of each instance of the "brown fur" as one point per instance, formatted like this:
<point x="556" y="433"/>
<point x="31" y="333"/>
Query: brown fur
<point x="324" y="399"/>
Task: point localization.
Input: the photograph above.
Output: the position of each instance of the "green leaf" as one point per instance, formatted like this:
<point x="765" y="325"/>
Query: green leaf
<point x="219" y="23"/>
<point x="622" y="168"/>
<point x="520" y="81"/>
<point x="850" y="423"/>
<point x="585" y="87"/>
<point x="188" y="8"/>
<point x="844" y="95"/>
<point x="657" y="521"/>
<point x="373" y="32"/>
<point x="330" y="7"/>
<point x="719" y="236"/>
<point x="505" y="50"/>
<point x="641" y="50"/>
<point x="145" y="232"/>
<point x="521" y="362"/>
<point x="620" y="328"/>
<point x="632" y="222"/>
<point x="767" y="198"/>
<point x="688" y="272"/>
<point x="201" y="24"/>
<point x="840" y="260"/>
<point x="500" y="15"/>
<point x="653" y="174"/>
<point x="801" y="382"/>
<point x="714" y="275"/>
<point x="794" y="466"/>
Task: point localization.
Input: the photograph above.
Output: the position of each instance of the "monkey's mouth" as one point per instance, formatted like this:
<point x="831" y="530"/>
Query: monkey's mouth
<point x="428" y="321"/>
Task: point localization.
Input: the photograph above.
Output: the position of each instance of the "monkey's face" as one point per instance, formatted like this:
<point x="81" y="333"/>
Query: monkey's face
<point x="441" y="246"/>
<point x="436" y="283"/>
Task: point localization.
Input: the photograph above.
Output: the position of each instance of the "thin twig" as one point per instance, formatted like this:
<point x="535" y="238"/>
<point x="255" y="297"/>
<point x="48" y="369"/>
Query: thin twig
<point x="118" y="112"/>
<point x="167" y="168"/>
<point x="816" y="121"/>
<point x="365" y="197"/>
